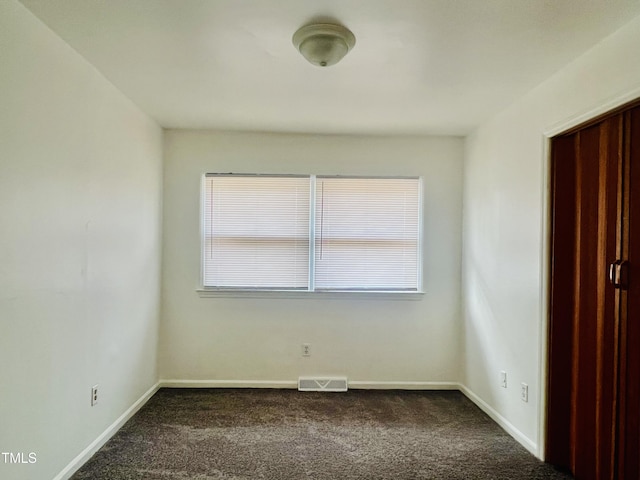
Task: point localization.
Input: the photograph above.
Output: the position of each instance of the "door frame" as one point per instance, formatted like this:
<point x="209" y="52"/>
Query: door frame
<point x="592" y="115"/>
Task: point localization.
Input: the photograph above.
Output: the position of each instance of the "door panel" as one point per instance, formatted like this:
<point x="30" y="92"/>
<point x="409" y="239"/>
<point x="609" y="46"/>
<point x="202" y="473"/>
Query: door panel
<point x="629" y="425"/>
<point x="563" y="221"/>
<point x="594" y="315"/>
<point x="585" y="308"/>
<point x="583" y="355"/>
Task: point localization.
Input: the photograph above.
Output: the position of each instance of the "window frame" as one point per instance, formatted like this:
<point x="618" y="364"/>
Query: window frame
<point x="311" y="292"/>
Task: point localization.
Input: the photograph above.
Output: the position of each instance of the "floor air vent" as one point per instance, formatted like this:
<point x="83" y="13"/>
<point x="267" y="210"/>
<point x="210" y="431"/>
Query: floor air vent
<point x="322" y="384"/>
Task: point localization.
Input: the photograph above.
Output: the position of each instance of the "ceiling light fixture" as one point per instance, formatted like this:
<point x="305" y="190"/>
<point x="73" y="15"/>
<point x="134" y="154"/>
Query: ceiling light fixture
<point x="324" y="44"/>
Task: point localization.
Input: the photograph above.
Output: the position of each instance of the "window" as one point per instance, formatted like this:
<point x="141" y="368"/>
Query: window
<point x="257" y="231"/>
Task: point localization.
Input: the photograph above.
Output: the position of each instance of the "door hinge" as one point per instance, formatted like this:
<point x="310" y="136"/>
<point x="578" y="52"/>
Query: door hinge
<point x="618" y="274"/>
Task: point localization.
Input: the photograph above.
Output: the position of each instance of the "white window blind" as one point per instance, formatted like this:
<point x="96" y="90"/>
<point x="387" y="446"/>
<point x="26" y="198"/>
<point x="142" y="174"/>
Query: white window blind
<point x="257" y="229"/>
<point x="367" y="234"/>
<point x="256" y="232"/>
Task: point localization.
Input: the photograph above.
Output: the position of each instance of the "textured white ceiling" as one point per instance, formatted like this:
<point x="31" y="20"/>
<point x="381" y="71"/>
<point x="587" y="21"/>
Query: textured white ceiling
<point x="419" y="66"/>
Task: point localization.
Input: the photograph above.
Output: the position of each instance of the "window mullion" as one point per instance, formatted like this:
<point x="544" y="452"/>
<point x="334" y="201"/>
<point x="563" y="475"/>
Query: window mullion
<point x="312" y="232"/>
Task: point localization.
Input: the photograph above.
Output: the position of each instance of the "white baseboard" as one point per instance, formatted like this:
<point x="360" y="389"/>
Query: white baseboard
<point x="374" y="385"/>
<point x="358" y="384"/>
<point x="228" y="384"/>
<point x="111" y="430"/>
<point x="500" y="420"/>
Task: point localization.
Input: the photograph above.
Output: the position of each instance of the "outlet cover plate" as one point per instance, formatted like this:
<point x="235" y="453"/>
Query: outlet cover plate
<point x="524" y="392"/>
<point x="94" y="395"/>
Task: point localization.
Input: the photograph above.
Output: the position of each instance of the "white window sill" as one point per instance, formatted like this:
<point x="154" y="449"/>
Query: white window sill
<point x="302" y="294"/>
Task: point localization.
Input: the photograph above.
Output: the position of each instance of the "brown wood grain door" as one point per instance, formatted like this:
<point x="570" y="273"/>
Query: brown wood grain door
<point x="595" y="310"/>
<point x="593" y="408"/>
<point x="629" y="422"/>
<point x="584" y="316"/>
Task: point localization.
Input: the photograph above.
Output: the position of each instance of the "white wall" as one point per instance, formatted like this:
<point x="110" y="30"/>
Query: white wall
<point x="80" y="198"/>
<point x="505" y="233"/>
<point x="221" y="340"/>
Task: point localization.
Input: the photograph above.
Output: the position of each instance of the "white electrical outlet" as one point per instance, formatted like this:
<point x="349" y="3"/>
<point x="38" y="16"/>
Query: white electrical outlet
<point x="524" y="392"/>
<point x="306" y="350"/>
<point x="503" y="379"/>
<point x="94" y="395"/>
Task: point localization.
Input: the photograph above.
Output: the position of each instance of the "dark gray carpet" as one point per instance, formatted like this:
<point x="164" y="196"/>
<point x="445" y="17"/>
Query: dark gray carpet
<point x="290" y="435"/>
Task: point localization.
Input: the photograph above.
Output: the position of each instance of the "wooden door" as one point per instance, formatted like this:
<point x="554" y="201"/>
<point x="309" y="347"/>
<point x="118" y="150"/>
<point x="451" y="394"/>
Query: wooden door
<point x="629" y="421"/>
<point x="584" y="354"/>
<point x="593" y="405"/>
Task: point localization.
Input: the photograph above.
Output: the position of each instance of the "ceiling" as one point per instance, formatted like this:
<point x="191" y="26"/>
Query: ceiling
<point x="418" y="66"/>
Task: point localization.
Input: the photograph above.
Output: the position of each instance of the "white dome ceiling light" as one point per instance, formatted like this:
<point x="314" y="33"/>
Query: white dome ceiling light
<point x="324" y="44"/>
